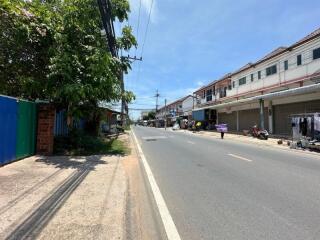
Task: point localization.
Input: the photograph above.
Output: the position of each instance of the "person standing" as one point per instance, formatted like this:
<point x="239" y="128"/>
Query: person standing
<point x="222" y="134"/>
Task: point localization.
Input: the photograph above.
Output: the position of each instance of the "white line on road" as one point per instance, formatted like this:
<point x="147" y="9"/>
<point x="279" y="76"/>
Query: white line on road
<point x="170" y="227"/>
<point x="239" y="157"/>
<point x="154" y="137"/>
<point x="190" y="142"/>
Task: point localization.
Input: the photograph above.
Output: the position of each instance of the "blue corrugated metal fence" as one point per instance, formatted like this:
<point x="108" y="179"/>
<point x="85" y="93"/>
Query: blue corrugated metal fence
<point x="60" y="123"/>
<point x="8" y="129"/>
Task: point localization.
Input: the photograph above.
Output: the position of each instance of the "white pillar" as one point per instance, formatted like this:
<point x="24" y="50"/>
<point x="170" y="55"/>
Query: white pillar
<point x="261" y="114"/>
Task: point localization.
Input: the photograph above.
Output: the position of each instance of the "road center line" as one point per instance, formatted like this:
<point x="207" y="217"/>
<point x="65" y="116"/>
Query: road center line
<point x="239" y="157"/>
<point x="190" y="142"/>
<point x="170" y="227"/>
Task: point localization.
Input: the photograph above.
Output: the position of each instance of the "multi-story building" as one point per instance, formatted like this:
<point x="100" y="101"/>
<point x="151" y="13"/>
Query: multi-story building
<point x="268" y="91"/>
<point x="179" y="108"/>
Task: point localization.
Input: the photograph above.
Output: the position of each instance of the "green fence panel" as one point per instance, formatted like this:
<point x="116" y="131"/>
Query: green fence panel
<point x="26" y="129"/>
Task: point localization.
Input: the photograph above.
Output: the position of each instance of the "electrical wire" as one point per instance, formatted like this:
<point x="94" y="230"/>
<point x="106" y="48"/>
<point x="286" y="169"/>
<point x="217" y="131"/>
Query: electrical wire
<point x="147" y="28"/>
<point x="145" y="39"/>
<point x="138" y="25"/>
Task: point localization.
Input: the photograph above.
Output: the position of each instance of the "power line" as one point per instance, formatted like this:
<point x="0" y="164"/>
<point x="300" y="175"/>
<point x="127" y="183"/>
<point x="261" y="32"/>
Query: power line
<point x="138" y="25"/>
<point x="141" y="109"/>
<point x="147" y="27"/>
<point x="144" y="41"/>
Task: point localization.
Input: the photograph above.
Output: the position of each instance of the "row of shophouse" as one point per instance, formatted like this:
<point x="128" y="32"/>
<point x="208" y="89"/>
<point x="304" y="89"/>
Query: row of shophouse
<point x="266" y="92"/>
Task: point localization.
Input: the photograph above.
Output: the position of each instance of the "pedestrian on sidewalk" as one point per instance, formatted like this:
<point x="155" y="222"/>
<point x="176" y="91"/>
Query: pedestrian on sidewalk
<point x="222" y="135"/>
<point x="222" y="128"/>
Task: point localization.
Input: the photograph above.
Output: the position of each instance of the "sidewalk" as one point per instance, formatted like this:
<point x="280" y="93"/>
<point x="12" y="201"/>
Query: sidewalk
<point x="63" y="198"/>
<point x="271" y="142"/>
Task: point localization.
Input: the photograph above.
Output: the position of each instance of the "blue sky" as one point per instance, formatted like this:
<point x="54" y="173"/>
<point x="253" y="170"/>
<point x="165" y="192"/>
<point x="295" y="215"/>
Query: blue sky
<point x="190" y="43"/>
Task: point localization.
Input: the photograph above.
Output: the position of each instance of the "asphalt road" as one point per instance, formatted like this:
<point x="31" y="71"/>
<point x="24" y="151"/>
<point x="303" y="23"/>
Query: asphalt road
<point x="221" y="189"/>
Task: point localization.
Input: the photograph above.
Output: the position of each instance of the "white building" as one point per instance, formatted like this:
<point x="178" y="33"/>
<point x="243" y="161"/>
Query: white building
<point x="180" y="108"/>
<point x="284" y="82"/>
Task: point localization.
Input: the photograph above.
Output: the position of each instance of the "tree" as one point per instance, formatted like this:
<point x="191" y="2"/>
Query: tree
<point x="54" y="50"/>
<point x="26" y="39"/>
<point x="152" y="115"/>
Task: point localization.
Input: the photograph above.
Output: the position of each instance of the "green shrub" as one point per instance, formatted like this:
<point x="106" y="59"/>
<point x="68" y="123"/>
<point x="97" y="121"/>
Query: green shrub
<point x="78" y="143"/>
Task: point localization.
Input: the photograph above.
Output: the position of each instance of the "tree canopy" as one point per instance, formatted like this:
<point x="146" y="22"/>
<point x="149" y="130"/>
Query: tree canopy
<point x="53" y="50"/>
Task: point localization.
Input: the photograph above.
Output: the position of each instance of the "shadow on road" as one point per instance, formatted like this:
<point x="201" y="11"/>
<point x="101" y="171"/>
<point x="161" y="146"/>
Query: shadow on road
<point x="38" y="219"/>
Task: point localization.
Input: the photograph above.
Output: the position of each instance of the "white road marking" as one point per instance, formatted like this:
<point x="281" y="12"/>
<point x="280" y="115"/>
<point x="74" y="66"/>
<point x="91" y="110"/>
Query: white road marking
<point x="154" y="137"/>
<point x="190" y="142"/>
<point x="170" y="227"/>
<point x="239" y="157"/>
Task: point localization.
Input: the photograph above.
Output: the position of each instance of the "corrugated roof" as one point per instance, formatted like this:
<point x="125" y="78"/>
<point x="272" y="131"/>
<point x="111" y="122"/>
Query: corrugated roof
<point x="214" y="82"/>
<point x="280" y="50"/>
<point x="308" y="37"/>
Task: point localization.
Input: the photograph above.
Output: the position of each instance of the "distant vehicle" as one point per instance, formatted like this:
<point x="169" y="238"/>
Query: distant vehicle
<point x="258" y="133"/>
<point x="145" y="123"/>
<point x="176" y="126"/>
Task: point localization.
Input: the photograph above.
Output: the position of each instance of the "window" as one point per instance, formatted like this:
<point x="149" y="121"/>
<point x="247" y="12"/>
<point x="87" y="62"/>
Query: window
<point x="299" y="60"/>
<point x="316" y="53"/>
<point x="223" y="92"/>
<point x="204" y="94"/>
<point x="251" y="77"/>
<point x="242" y="81"/>
<point x="286" y="66"/>
<point x="259" y="74"/>
<point x="271" y="70"/>
<point x="214" y="90"/>
<point x="233" y="84"/>
<point x="209" y="95"/>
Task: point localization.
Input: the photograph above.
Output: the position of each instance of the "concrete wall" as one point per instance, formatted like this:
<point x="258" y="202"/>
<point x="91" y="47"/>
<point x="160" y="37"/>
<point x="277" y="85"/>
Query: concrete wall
<point x="308" y="67"/>
<point x="187" y="104"/>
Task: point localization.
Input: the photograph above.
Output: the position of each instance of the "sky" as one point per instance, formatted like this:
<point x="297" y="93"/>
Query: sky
<point x="191" y="43"/>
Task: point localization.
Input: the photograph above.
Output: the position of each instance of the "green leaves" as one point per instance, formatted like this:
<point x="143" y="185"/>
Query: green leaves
<point x="127" y="40"/>
<point x="53" y="50"/>
<point x="120" y="9"/>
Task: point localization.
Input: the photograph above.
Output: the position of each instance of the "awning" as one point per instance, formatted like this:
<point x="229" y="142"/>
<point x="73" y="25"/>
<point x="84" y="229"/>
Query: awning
<point x="269" y="96"/>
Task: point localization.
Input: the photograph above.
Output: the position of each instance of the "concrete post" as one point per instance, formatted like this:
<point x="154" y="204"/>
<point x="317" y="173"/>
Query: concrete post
<point x="238" y="127"/>
<point x="217" y="114"/>
<point x="261" y="114"/>
<point x="270" y="117"/>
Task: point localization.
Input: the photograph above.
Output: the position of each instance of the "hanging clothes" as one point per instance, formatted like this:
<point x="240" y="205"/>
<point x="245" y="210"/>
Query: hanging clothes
<point x="316" y="123"/>
<point x="295" y="128"/>
<point x="303" y="126"/>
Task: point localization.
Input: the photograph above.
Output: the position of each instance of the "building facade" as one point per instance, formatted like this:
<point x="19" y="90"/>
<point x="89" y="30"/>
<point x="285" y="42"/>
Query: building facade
<point x="181" y="108"/>
<point x="266" y="92"/>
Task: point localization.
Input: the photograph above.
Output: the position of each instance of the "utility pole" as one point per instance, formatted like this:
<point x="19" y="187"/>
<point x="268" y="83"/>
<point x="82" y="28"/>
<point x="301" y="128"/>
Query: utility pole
<point x="107" y="23"/>
<point x="157" y="96"/>
<point x="165" y="114"/>
<point x="122" y="100"/>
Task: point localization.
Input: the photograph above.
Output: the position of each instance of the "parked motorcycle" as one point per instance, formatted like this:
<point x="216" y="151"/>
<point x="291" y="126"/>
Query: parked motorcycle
<point x="258" y="133"/>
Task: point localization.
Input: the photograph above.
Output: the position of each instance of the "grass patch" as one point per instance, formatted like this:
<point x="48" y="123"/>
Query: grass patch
<point x="84" y="145"/>
<point x="127" y="127"/>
